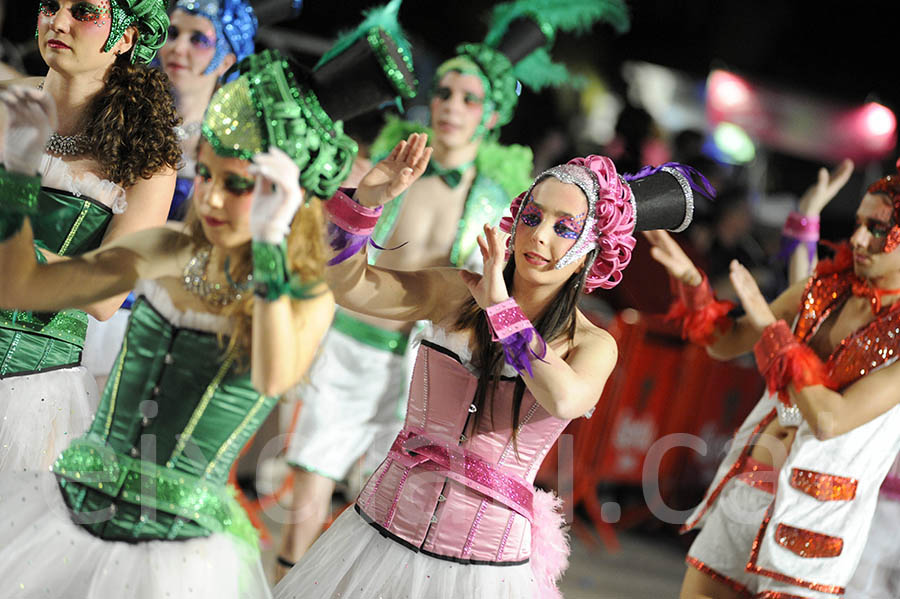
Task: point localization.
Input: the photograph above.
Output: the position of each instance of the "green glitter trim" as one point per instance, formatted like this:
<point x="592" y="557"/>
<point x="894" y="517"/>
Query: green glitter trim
<point x="201" y="407"/>
<point x="272" y="277"/>
<point x="68" y="325"/>
<point x="19" y="192"/>
<point x="289" y="117"/>
<point x="221" y="149"/>
<point x="500" y="90"/>
<point x="395" y="74"/>
<point x="90" y="463"/>
<point x="65" y="246"/>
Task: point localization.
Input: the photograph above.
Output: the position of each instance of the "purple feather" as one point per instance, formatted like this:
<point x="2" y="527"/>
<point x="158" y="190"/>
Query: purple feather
<point x="516" y="348"/>
<point x="698" y="182"/>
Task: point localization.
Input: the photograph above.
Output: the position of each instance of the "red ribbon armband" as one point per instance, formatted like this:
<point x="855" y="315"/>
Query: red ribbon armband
<point x="698" y="311"/>
<point x="783" y="361"/>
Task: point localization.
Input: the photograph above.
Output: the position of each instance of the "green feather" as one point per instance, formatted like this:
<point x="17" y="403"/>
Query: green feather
<point x="383" y="17"/>
<point x="563" y="15"/>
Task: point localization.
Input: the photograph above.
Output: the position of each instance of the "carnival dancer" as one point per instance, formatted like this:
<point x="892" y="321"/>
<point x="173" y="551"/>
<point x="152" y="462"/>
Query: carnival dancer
<point x="451" y="511"/>
<point x="789" y="508"/>
<point x="877" y="575"/>
<point x="229" y="314"/>
<point x="114" y="149"/>
<point x="354" y="402"/>
<point x="205" y="38"/>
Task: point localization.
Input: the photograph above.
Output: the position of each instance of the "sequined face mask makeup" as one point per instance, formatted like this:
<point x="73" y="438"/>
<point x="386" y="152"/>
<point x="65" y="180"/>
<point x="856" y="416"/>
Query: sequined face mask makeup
<point x="567" y="227"/>
<point x="84" y="12"/>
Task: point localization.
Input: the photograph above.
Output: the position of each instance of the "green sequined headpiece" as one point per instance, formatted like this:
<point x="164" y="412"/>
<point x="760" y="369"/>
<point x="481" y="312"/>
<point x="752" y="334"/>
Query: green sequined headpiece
<point x="151" y="20"/>
<point x="267" y="106"/>
<point x="529" y="60"/>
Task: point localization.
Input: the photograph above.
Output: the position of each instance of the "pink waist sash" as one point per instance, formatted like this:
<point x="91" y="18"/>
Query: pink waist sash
<point x="412" y="449"/>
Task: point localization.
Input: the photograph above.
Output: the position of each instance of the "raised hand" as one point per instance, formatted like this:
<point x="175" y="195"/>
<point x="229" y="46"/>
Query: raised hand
<point x="490" y="288"/>
<point x="277" y="196"/>
<point x="755" y="305"/>
<point x="393" y="175"/>
<point x="669" y="254"/>
<point x="31" y="118"/>
<point x="817" y="196"/>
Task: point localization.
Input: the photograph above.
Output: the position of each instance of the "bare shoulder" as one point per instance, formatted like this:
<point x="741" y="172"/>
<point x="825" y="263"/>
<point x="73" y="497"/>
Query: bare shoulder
<point x="591" y="336"/>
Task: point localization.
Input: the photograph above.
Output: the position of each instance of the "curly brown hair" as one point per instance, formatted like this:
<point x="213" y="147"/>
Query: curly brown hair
<point x="306" y="256"/>
<point x="130" y="124"/>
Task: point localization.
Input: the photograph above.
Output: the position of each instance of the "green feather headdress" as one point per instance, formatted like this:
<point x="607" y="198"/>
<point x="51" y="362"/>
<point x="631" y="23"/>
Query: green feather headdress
<point x="536" y="69"/>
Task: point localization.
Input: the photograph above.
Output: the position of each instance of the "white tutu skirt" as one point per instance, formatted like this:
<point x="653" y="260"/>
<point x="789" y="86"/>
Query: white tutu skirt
<point x="878" y="574"/>
<point x="352" y="560"/>
<point x="43" y="554"/>
<point x="41" y="413"/>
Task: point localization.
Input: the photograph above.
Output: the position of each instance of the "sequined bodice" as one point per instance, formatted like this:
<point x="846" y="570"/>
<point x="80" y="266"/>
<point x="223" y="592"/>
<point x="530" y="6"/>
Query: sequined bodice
<point x="420" y="503"/>
<point x="175" y="411"/>
<point x="870" y="347"/>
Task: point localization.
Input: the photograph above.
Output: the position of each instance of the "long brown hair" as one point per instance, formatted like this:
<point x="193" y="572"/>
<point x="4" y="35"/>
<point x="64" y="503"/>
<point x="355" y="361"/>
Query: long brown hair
<point x="130" y="124"/>
<point x="487" y="356"/>
<point x="306" y="256"/>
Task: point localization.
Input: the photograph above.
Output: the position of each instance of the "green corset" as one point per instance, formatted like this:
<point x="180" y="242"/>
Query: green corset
<point x="37" y="341"/>
<point x="173" y="417"/>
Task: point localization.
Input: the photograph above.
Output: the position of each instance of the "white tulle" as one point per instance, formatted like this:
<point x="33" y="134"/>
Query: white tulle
<point x="43" y="554"/>
<point x="351" y="560"/>
<point x="57" y="174"/>
<point x="41" y="413"/>
<point x="190" y="319"/>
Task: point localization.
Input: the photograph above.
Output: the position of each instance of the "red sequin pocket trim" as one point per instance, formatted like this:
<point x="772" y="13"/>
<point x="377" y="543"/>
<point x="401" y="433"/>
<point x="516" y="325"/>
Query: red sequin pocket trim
<point x="807" y="543"/>
<point x="824" y="487"/>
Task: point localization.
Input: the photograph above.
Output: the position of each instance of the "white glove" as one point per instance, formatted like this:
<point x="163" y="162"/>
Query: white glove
<point x="31" y="118"/>
<point x="277" y="196"/>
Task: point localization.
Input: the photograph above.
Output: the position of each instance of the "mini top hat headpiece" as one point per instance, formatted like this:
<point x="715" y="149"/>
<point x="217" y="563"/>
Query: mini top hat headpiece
<point x="890" y="186"/>
<point x="653" y="198"/>
<point x="516" y="49"/>
<point x="276" y="102"/>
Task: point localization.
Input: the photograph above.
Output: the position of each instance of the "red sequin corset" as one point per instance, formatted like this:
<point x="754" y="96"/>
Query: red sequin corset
<point x="867" y="348"/>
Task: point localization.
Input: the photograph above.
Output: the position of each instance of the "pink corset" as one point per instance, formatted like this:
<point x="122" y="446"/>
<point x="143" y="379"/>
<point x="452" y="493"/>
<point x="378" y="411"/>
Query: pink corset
<point x="467" y="499"/>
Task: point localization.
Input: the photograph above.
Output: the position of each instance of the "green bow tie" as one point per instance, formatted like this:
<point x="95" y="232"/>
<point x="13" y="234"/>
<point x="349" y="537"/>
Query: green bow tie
<point x="451" y="176"/>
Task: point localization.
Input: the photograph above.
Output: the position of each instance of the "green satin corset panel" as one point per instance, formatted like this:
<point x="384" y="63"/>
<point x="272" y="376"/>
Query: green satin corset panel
<point x="39" y="341"/>
<point x="174" y="415"/>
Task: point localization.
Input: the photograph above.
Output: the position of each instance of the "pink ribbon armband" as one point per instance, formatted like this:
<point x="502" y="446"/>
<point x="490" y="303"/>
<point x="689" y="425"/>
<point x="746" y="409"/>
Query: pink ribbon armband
<point x="799" y="228"/>
<point x="351" y="224"/>
<point x="514" y="331"/>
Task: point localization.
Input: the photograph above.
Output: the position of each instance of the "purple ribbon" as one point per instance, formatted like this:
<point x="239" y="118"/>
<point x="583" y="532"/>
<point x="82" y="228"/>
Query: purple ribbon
<point x="349" y="243"/>
<point x="516" y="348"/>
<point x="699" y="183"/>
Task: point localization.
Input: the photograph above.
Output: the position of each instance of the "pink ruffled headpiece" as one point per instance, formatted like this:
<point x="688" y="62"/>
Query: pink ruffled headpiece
<point x="609" y="225"/>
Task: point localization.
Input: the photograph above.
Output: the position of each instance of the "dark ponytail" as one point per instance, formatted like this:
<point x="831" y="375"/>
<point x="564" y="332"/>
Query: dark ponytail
<point x="130" y="124"/>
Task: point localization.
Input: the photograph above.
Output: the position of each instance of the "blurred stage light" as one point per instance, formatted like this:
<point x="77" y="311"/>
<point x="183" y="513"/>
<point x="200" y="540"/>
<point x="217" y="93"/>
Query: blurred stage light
<point x="879" y="120"/>
<point x="727" y="91"/>
<point x="733" y="143"/>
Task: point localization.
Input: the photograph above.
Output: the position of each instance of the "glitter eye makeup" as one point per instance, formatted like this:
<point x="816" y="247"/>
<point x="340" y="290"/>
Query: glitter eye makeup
<point x="201" y="40"/>
<point x="239" y="185"/>
<point x="531" y="214"/>
<point x="570" y="227"/>
<point x="48" y="8"/>
<point x="91" y="13"/>
<point x="203" y="171"/>
<point x="473" y="99"/>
